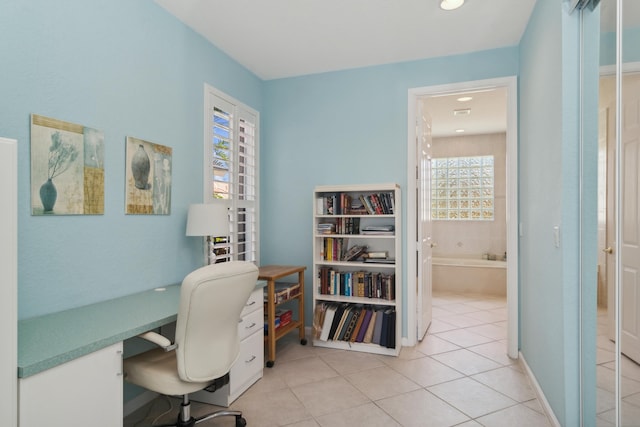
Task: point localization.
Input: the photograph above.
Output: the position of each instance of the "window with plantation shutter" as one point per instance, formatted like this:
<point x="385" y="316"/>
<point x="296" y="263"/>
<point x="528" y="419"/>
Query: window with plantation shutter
<point x="231" y="171"/>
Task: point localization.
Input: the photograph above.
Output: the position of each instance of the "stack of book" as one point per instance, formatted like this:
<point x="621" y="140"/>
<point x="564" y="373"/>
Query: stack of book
<point x="364" y="284"/>
<point x="378" y="203"/>
<point x="356" y="323"/>
<point x="284" y="292"/>
<point x="326" y="228"/>
<point x="382" y="230"/>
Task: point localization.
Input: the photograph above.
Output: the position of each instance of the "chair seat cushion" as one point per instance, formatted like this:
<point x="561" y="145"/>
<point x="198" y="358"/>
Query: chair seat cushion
<point x="157" y="370"/>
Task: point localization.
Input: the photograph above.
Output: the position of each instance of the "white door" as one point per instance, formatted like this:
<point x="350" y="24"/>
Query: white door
<point x="630" y="216"/>
<point x="423" y="215"/>
<point x="8" y="281"/>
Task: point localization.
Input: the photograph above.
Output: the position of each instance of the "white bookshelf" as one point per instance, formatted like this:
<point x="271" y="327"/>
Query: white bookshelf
<point x="388" y="243"/>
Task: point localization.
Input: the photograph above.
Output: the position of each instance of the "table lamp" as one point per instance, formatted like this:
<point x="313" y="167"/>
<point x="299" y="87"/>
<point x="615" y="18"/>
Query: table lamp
<point x="208" y="220"/>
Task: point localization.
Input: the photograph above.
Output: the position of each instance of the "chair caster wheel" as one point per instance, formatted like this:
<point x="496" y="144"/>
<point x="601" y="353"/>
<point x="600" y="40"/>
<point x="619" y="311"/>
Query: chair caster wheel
<point x="303" y="341"/>
<point x="240" y="422"/>
<point x="270" y="363"/>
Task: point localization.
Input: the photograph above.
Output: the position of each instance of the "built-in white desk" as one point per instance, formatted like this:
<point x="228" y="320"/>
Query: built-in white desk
<point x="70" y="362"/>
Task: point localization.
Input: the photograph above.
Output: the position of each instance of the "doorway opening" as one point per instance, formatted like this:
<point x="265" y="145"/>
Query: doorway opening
<point x="426" y="131"/>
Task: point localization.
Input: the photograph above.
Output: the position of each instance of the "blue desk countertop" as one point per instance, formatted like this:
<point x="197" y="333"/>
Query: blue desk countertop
<point x="53" y="339"/>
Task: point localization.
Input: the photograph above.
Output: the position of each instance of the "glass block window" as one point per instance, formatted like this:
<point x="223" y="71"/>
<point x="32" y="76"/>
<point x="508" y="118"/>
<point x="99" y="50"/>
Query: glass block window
<point x="462" y="188"/>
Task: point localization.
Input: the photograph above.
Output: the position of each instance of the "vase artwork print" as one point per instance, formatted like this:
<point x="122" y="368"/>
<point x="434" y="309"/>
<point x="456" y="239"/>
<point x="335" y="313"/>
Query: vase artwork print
<point x="67" y="168"/>
<point x="148" y="178"/>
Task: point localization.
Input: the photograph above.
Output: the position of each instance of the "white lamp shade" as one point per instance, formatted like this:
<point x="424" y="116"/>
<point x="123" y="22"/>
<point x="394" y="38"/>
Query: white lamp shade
<point x="208" y="219"/>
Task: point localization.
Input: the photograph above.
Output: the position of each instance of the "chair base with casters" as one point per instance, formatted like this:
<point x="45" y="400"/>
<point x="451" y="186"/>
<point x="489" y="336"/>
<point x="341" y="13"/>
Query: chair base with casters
<point x="186" y="420"/>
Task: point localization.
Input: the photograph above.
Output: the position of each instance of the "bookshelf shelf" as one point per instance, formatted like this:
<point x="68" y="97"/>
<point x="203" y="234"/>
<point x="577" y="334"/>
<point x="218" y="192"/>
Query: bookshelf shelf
<point x="357" y="304"/>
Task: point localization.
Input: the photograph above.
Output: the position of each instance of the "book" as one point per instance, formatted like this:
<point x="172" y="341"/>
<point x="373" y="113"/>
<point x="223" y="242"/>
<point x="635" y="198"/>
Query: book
<point x="358" y="326"/>
<point x="337" y="317"/>
<point x="353" y="320"/>
<point x="377" y="328"/>
<point x="377" y="255"/>
<point x="384" y="329"/>
<point x="391" y="330"/>
<point x="368" y="335"/>
<point x="328" y="320"/>
<point x="344" y="323"/>
<point x="364" y="325"/>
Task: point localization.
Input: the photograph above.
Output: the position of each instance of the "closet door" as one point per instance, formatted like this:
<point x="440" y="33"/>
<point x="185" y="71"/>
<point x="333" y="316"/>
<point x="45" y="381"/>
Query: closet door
<point x="8" y="281"/>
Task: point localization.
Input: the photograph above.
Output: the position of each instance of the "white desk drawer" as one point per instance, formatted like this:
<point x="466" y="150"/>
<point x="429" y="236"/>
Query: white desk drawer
<point x="255" y="302"/>
<point x="250" y="324"/>
<point x="250" y="362"/>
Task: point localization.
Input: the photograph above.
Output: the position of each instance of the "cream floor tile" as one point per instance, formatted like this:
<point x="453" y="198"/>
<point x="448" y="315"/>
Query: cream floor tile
<point x="271" y="380"/>
<point x="426" y="371"/>
<point x="518" y="415"/>
<point x="440" y="326"/>
<point x="461" y="320"/>
<point x="509" y="382"/>
<point x="440" y="311"/>
<point x="303" y="371"/>
<point x="495" y="350"/>
<point x="463" y="338"/>
<point x="470" y="423"/>
<point x="432" y="344"/>
<point x="408" y="353"/>
<point x="470" y="397"/>
<point x="355" y="362"/>
<point x="329" y="395"/>
<point x="605" y="379"/>
<point x="458" y="308"/>
<point x="501" y="312"/>
<point x="604" y="356"/>
<point x="367" y="415"/>
<point x="605" y="400"/>
<point x="629" y="415"/>
<point x="535" y="405"/>
<point x="493" y="331"/>
<point x="421" y="408"/>
<point x="486" y="316"/>
<point x="488" y="304"/>
<point x="276" y="408"/>
<point x="382" y="382"/>
<point x="305" y="423"/>
<point x="466" y="361"/>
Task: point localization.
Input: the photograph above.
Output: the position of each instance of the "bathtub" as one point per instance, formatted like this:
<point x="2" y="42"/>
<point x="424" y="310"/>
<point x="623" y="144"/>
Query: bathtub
<point x="469" y="275"/>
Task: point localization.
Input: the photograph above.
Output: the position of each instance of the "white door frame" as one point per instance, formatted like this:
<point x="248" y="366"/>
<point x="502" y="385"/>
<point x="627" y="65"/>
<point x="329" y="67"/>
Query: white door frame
<point x="511" y="85"/>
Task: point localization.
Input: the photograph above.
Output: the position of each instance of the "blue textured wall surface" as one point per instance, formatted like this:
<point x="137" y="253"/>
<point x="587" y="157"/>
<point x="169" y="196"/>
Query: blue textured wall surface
<point x="128" y="69"/>
<point x="346" y="127"/>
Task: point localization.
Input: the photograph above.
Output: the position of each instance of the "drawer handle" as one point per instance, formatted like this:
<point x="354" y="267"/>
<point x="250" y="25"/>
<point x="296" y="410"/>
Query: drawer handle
<point x="250" y="360"/>
<point x="251" y="325"/>
<point x="250" y="304"/>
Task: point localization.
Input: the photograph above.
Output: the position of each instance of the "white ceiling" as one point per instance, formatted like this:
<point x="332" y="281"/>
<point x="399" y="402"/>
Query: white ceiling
<point x="488" y="113"/>
<point x="286" y="38"/>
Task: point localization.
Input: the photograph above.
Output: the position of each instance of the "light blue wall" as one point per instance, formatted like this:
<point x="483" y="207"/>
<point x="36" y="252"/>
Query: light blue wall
<point x="346" y="127"/>
<point x="127" y="68"/>
<point x="550" y="196"/>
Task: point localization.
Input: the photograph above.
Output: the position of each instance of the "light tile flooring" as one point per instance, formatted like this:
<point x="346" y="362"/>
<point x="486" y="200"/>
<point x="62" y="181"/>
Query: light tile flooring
<point x="459" y="375"/>
<point x="605" y="380"/>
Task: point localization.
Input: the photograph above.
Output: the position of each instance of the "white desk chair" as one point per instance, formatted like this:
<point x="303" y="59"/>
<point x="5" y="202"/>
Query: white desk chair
<point x="206" y="343"/>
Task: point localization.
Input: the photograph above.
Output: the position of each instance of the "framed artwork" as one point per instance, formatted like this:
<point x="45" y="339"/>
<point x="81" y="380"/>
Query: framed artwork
<point x="67" y="168"/>
<point x="148" y="178"/>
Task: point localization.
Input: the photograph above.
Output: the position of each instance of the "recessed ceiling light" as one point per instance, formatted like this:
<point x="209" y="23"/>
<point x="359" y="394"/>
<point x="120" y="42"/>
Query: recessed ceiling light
<point x="462" y="112"/>
<point x="451" y="4"/>
<point x="465" y="98"/>
<point x="459" y="130"/>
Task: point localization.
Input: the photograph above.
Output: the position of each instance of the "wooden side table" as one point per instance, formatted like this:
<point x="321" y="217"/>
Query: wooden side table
<point x="271" y="273"/>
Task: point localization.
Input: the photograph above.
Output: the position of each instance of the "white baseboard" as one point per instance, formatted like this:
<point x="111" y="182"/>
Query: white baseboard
<point x="138" y="402"/>
<point x="539" y="394"/>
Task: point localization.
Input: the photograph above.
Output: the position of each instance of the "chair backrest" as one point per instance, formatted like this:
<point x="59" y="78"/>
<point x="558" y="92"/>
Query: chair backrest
<point x="211" y="300"/>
